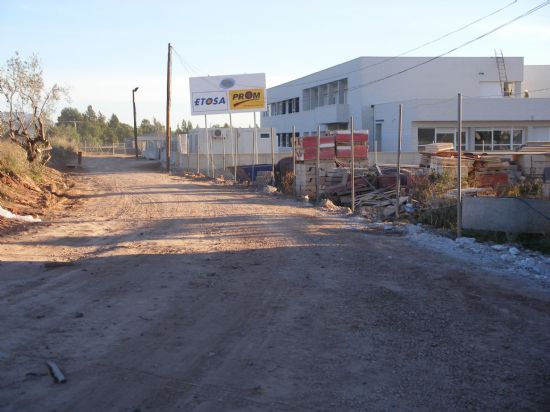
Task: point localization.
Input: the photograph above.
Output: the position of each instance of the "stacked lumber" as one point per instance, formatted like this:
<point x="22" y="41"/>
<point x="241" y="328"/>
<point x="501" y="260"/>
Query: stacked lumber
<point x="448" y="165"/>
<point x="436" y="149"/>
<point x="536" y="147"/>
<point x="492" y="171"/>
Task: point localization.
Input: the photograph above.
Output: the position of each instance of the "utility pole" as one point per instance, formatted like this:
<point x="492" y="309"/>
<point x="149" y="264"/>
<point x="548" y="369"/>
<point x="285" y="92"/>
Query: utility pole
<point x="318" y="166"/>
<point x="294" y="160"/>
<point x="459" y="171"/>
<point x="351" y="126"/>
<point x="398" y="180"/>
<point x="168" y="104"/>
<point x="135" y="125"/>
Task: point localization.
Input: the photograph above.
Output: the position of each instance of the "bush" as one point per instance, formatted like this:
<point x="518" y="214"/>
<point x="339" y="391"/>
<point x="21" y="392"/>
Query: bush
<point x="13" y="160"/>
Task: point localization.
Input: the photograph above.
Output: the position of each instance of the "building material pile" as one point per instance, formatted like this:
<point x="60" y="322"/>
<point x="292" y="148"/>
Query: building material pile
<point x="493" y="171"/>
<point x="334" y="160"/>
<point x="482" y="170"/>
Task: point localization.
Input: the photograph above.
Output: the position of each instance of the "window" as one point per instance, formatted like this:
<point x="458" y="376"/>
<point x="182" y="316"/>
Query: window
<point x="425" y="136"/>
<point x="306" y="94"/>
<point x="264" y="136"/>
<point x="439" y="135"/>
<point x="343" y="91"/>
<point x="498" y="139"/>
<point x="332" y="92"/>
<point x="284" y="107"/>
<point x="325" y="94"/>
<point x="501" y="140"/>
<point x="483" y="140"/>
<point x="517" y="139"/>
<point x="508" y="89"/>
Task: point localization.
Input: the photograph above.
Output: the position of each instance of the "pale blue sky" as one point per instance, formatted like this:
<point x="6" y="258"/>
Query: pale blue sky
<point x="102" y="49"/>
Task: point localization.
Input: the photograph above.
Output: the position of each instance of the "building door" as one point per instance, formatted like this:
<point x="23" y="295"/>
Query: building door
<point x="378" y="136"/>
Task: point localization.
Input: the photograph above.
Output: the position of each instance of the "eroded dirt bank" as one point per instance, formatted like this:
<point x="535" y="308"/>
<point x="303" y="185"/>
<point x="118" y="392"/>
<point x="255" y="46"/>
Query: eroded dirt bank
<point x="173" y="294"/>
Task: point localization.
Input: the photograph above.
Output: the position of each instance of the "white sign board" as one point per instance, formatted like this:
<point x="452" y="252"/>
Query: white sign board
<point x="228" y="94"/>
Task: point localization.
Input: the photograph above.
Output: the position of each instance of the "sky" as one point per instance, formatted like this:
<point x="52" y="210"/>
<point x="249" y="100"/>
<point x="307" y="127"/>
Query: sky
<point x="101" y="50"/>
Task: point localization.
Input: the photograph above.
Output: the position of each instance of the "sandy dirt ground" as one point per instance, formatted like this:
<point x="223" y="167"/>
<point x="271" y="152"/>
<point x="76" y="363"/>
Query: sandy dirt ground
<point x="164" y="293"/>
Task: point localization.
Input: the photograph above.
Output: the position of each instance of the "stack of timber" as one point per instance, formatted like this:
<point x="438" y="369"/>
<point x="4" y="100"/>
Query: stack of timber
<point x="493" y="171"/>
<point x="434" y="149"/>
<point x="449" y="165"/>
<point x="334" y="160"/>
<point x="538" y="147"/>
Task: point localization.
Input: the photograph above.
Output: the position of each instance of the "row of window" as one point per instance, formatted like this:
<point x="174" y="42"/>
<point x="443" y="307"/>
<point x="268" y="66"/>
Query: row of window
<point x="285" y="139"/>
<point x="485" y="139"/>
<point x="283" y="107"/>
<point x="326" y="94"/>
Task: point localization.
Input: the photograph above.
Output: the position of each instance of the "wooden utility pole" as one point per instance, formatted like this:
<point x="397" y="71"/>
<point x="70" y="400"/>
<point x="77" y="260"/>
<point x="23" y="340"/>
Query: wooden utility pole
<point x="135" y="124"/>
<point x="168" y="104"/>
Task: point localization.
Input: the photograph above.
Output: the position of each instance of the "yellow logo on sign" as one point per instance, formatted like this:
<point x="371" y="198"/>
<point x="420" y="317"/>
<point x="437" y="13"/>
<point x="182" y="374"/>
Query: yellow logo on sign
<point x="246" y="99"/>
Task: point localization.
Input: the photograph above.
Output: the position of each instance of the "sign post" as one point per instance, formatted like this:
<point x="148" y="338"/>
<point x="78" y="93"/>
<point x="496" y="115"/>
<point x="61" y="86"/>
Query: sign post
<point x="230" y="94"/>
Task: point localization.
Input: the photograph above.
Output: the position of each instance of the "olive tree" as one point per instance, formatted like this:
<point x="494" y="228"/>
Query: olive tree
<point x="26" y="106"/>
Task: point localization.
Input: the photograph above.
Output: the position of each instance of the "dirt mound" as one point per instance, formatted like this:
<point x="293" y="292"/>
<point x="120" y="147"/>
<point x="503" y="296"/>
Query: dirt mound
<point x="21" y="195"/>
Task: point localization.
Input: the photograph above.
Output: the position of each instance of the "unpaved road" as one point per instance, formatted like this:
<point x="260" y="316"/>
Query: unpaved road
<point x="183" y="295"/>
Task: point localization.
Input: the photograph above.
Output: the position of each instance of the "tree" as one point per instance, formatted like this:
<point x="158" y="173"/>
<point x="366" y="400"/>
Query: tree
<point x="146" y="128"/>
<point x="68" y="115"/>
<point x="29" y="104"/>
<point x="113" y="121"/>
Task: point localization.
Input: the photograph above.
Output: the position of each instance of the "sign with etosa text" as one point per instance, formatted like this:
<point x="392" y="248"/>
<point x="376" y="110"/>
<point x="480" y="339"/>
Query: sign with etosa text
<point x="248" y="99"/>
<point x="209" y="102"/>
<point x="228" y="94"/>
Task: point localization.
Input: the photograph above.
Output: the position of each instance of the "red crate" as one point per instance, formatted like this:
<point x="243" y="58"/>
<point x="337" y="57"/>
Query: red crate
<point x="357" y="138"/>
<point x="311" y="141"/>
<point x="361" y="152"/>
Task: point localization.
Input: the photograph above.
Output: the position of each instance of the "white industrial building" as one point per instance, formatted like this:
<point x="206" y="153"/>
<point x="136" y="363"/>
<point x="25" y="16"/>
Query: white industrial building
<point x="505" y="103"/>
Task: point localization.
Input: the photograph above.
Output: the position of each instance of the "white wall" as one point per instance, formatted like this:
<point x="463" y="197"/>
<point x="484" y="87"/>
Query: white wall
<point x="476" y="112"/>
<point x="244" y="136"/>
<point x="442" y="78"/>
<point x="537" y="77"/>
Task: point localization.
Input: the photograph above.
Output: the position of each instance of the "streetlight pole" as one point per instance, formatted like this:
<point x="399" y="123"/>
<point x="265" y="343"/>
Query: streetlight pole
<point x="135" y="125"/>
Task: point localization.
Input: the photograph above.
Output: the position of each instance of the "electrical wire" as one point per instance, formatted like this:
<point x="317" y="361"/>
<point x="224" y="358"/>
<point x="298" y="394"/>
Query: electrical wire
<point x="501" y="26"/>
<point x="387" y="59"/>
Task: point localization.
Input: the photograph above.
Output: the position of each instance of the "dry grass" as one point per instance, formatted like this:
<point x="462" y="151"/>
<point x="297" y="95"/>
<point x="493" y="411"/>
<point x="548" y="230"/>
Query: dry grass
<point x="13" y="160"/>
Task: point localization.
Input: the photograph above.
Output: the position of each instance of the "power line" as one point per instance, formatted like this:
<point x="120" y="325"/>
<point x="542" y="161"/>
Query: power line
<point x="527" y="13"/>
<point x="387" y="59"/>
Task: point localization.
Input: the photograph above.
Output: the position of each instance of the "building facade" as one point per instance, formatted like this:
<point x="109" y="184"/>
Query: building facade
<point x="505" y="103"/>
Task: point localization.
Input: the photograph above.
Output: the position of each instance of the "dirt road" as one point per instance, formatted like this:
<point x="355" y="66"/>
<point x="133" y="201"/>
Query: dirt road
<point x="183" y="295"/>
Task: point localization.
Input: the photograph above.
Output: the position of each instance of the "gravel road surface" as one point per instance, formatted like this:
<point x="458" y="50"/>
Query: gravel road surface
<point x="164" y="293"/>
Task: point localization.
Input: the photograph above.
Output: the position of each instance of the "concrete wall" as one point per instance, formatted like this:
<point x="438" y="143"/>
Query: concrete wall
<point x="537" y="78"/>
<point x="506" y="214"/>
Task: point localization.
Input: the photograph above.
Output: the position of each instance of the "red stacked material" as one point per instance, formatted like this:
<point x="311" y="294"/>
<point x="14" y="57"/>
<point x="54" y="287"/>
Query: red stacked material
<point x="494" y="180"/>
<point x="343" y="145"/>
<point x="327" y="149"/>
